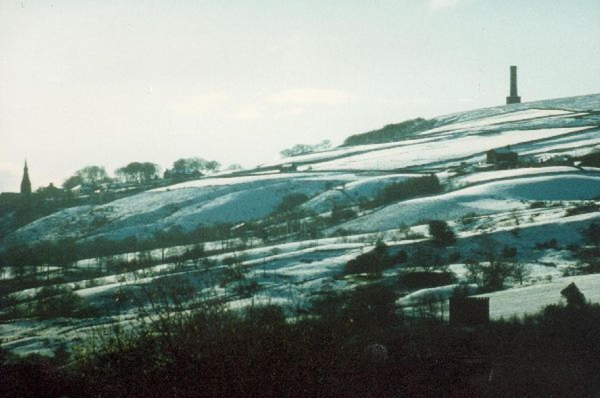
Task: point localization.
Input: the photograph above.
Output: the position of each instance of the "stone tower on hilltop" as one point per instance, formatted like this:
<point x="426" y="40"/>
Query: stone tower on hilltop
<point x="514" y="97"/>
<point x="25" y="183"/>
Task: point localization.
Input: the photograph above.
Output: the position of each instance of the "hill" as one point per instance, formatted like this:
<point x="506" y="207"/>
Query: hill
<point x="284" y="237"/>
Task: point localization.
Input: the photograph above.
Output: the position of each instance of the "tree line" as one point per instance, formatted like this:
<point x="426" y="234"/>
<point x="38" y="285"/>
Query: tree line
<point x="144" y="172"/>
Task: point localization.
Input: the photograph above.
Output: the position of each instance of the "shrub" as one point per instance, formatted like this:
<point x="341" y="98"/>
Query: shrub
<point x="538" y="205"/>
<point x="374" y="261"/>
<point x="339" y="213"/>
<point x="468" y="218"/>
<point x="290" y="202"/>
<point x="454" y="257"/>
<point x="549" y="244"/>
<point x="246" y="289"/>
<point x="583" y="208"/>
<point x="340" y="232"/>
<point x="194" y="253"/>
<point x="591" y="234"/>
<point x="401" y="257"/>
<point x="509" y="252"/>
<point x="442" y="234"/>
<point x="420" y="280"/>
<point x="232" y="273"/>
<point x="54" y="302"/>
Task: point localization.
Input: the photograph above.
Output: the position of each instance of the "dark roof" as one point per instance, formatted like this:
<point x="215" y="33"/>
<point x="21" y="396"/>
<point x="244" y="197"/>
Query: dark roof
<point x="502" y="150"/>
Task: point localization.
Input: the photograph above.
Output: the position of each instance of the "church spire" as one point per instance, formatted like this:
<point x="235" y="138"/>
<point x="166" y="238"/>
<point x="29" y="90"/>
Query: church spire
<point x="25" y="183"/>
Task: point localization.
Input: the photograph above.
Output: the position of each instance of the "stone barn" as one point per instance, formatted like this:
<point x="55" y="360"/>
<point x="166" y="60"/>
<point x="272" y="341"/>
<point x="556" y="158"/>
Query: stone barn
<point x="469" y="311"/>
<point x="502" y="157"/>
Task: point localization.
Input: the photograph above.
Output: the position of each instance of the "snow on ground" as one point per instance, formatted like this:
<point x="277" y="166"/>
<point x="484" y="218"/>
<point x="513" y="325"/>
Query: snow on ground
<point x="439" y="151"/>
<point x="502" y="118"/>
<point x="531" y="299"/>
<point x="524" y="119"/>
<point x="233" y="200"/>
<point x="352" y="193"/>
<point x="576" y="104"/>
<point x="517" y="301"/>
<point x="488" y="176"/>
<point x="537" y="272"/>
<point x="578" y="148"/>
<point x="286" y="279"/>
<point x="497" y="203"/>
<point x="531" y="128"/>
<point x="435" y="293"/>
<point x="488" y="198"/>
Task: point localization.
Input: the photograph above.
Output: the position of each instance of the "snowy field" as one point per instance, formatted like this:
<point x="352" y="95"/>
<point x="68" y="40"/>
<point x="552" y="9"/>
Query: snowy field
<point x="483" y="199"/>
<point x="531" y="299"/>
<point x="439" y="151"/>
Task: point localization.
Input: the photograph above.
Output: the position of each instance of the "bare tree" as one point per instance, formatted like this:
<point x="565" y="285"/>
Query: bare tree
<point x="520" y="271"/>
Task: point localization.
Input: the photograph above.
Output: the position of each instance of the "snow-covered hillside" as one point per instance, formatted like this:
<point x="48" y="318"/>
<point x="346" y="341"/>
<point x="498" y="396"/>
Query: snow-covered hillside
<point x="485" y="198"/>
<point x="537" y="131"/>
<point x="536" y="209"/>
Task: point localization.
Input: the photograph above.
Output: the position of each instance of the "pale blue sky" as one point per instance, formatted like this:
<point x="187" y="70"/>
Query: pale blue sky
<point x="110" y="82"/>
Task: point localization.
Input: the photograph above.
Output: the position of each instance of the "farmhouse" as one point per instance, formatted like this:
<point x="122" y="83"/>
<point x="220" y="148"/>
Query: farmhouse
<point x="502" y="157"/>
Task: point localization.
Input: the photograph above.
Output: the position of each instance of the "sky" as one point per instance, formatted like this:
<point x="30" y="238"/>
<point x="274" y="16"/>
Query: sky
<point x="111" y="82"/>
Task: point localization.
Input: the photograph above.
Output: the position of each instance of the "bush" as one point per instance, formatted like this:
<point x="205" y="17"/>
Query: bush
<point x="442" y="234"/>
<point x="232" y="273"/>
<point x="373" y="262"/>
<point x="509" y="252"/>
<point x="469" y="218"/>
<point x="420" y="280"/>
<point x="290" y="202"/>
<point x="401" y="257"/>
<point x="54" y="302"/>
<point x="538" y="205"/>
<point x="582" y="208"/>
<point x="591" y="234"/>
<point x="339" y="213"/>
<point x="549" y="244"/>
<point x="246" y="289"/>
<point x="454" y="257"/>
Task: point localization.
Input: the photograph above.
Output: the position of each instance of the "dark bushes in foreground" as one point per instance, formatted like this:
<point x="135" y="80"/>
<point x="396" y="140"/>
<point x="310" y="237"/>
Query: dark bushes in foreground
<point x="354" y="345"/>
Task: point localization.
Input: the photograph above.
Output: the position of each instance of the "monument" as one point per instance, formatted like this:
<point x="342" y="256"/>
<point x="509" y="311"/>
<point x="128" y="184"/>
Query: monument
<point x="514" y="97"/>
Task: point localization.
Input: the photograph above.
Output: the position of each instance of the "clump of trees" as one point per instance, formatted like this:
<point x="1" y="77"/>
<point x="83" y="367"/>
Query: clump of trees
<point x="391" y="132"/>
<point x="189" y="167"/>
<point x="144" y="172"/>
<point x="138" y="172"/>
<point x="413" y="187"/>
<point x="92" y="175"/>
<point x="301" y="149"/>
